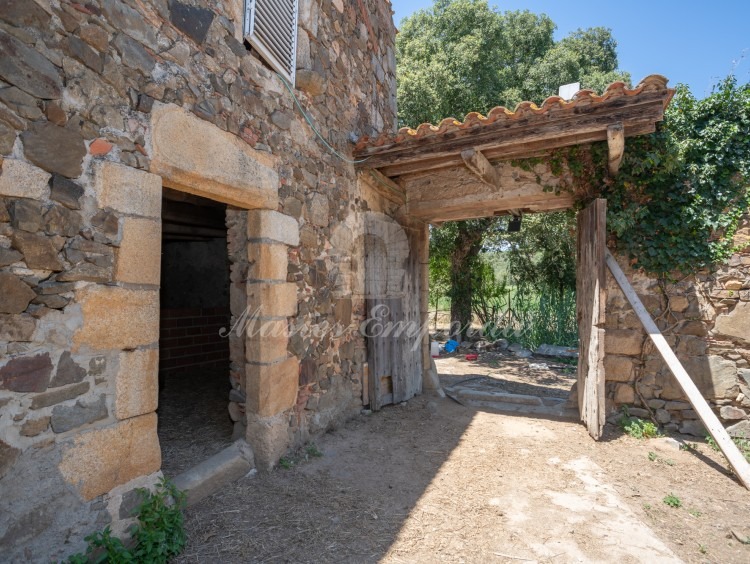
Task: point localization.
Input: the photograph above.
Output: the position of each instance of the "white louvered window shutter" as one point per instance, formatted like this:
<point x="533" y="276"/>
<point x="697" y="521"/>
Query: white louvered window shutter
<point x="271" y="28"/>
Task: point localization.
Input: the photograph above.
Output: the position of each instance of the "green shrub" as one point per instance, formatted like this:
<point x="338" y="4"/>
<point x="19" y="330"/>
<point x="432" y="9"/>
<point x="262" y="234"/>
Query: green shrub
<point x="638" y="428"/>
<point x="158" y="535"/>
<point x="742" y="444"/>
<point x="672" y="501"/>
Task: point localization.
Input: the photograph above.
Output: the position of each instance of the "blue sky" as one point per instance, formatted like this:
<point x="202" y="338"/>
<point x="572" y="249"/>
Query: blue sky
<point x="688" y="41"/>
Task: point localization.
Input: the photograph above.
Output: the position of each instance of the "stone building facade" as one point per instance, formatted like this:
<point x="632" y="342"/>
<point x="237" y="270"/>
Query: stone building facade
<point x="105" y="104"/>
<point x="111" y="109"/>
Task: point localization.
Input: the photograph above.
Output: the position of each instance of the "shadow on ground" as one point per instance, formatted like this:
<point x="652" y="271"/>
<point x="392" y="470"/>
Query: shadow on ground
<point x="433" y="481"/>
<point x="348" y="505"/>
<point x="194" y="423"/>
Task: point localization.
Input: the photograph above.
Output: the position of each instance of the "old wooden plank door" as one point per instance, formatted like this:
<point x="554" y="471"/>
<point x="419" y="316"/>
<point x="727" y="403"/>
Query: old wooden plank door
<point x="394" y="353"/>
<point x="591" y="299"/>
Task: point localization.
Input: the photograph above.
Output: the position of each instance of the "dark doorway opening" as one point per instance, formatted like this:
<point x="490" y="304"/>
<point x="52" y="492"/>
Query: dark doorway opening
<point x="194" y="423"/>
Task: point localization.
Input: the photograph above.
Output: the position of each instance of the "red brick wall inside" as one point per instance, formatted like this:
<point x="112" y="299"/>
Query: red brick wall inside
<point x="190" y="337"/>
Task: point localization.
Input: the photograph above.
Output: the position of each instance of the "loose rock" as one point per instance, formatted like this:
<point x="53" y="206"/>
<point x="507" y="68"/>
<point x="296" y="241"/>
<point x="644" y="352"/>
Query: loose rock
<point x="191" y="20"/>
<point x="67" y="192"/>
<point x="58" y="396"/>
<point x="28" y="69"/>
<point x="68" y="372"/>
<point x="67" y="417"/>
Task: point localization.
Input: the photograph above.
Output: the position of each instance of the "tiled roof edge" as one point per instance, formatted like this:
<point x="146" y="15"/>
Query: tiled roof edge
<point x="654" y="82"/>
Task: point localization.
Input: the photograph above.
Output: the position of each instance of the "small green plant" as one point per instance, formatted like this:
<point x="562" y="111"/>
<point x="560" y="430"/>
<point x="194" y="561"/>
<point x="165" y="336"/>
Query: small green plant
<point x="742" y="444"/>
<point x="312" y="451"/>
<point x="158" y="535"/>
<point x="646" y="506"/>
<point x="672" y="501"/>
<point x="695" y="513"/>
<point x="638" y="428"/>
<point x="103" y="547"/>
<point x="712" y="443"/>
<point x="703" y="549"/>
<point x="653" y="457"/>
<point x="691" y="447"/>
<point x="286" y="463"/>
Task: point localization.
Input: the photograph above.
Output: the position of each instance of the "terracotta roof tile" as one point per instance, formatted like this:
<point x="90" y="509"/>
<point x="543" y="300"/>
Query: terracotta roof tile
<point x="551" y="105"/>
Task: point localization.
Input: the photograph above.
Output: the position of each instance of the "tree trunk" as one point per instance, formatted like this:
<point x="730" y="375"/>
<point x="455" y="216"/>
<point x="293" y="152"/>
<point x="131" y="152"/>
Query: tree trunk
<point x="466" y="249"/>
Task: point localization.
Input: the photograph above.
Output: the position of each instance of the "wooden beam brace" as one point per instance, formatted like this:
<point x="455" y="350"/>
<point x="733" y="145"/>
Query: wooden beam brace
<point x="387" y="187"/>
<point x="477" y="163"/>
<point x="433" y="212"/>
<point x="710" y="421"/>
<point x="616" y="144"/>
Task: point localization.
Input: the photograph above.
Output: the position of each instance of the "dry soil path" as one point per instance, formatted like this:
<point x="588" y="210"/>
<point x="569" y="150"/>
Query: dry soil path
<point x="433" y="481"/>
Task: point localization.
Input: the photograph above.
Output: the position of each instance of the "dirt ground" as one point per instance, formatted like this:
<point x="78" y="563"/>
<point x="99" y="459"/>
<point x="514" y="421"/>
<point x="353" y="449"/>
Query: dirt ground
<point x="193" y="420"/>
<point x="434" y="481"/>
<point x="535" y="376"/>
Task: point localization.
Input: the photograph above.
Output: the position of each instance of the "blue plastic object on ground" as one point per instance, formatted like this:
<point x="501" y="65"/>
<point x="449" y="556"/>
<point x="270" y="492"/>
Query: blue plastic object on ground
<point x="450" y="346"/>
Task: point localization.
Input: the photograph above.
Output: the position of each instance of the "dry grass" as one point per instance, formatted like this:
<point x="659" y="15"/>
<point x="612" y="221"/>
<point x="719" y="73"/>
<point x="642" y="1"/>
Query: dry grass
<point x="288" y="517"/>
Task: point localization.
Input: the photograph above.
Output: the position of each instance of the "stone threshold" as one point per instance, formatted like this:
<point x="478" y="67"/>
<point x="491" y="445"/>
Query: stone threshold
<point x="234" y="462"/>
<point x="512" y="403"/>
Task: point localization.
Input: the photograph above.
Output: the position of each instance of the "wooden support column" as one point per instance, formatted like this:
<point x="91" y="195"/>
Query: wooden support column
<point x="616" y="145"/>
<point x="424" y="296"/>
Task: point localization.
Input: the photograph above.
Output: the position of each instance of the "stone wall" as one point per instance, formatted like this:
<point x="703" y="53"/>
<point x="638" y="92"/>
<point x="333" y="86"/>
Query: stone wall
<point x="705" y="317"/>
<point x="101" y="103"/>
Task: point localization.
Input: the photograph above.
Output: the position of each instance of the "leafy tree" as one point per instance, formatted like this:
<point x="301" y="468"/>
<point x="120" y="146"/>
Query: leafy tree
<point x="458" y="244"/>
<point x="542" y="255"/>
<point x="461" y="56"/>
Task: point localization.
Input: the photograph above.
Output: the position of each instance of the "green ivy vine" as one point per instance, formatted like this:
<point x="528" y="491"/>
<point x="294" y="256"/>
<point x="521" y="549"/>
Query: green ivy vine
<point x="577" y="169"/>
<point x="681" y="192"/>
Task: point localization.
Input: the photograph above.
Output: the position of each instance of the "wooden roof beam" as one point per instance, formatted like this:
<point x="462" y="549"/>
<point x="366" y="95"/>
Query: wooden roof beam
<point x="548" y="130"/>
<point x="470" y="208"/>
<point x="477" y="163"/>
<point x="505" y="150"/>
<point x="616" y="145"/>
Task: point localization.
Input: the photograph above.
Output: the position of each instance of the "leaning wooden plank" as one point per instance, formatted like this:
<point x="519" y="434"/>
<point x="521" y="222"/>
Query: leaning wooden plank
<point x="710" y="421"/>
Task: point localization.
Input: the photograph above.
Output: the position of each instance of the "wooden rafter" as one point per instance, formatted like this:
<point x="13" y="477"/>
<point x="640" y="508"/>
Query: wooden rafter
<point x="387" y="187"/>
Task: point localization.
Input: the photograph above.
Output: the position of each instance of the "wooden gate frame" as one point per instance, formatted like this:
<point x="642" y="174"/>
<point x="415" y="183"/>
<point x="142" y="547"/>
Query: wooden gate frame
<point x="591" y="301"/>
